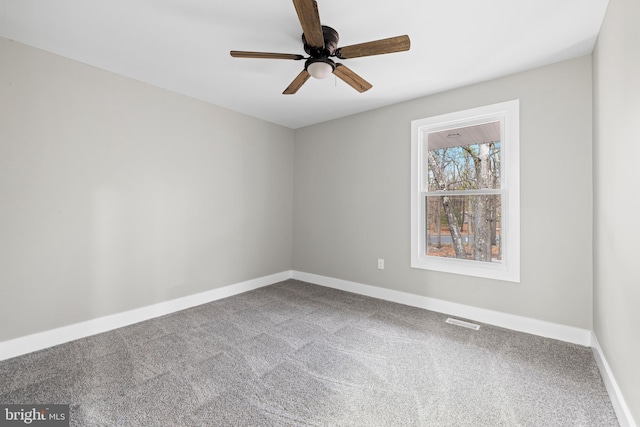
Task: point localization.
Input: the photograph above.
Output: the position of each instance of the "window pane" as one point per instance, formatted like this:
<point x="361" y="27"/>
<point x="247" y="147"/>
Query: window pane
<point x="466" y="158"/>
<point x="465" y="227"/>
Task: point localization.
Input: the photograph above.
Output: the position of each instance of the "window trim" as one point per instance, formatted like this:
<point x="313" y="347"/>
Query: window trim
<point x="508" y="115"/>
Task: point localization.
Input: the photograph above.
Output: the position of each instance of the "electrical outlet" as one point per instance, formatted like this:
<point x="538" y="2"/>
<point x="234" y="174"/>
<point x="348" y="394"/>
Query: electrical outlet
<point x="380" y="264"/>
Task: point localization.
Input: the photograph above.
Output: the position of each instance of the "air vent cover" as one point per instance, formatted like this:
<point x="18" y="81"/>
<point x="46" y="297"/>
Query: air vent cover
<point x="463" y="324"/>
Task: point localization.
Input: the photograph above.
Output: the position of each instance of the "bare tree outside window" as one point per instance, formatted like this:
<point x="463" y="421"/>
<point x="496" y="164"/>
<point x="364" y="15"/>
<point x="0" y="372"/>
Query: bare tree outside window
<point x="463" y="200"/>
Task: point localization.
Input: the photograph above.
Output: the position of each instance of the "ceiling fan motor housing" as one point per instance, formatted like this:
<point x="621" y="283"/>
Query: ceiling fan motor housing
<point x="331" y="38"/>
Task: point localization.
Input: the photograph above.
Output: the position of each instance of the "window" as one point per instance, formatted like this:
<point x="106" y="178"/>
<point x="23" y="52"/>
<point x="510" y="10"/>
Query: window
<point x="465" y="201"/>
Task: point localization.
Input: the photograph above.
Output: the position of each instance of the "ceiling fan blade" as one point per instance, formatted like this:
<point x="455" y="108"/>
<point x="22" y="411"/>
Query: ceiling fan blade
<point x="297" y="83"/>
<point x="378" y="47"/>
<point x="351" y="78"/>
<point x="309" y="17"/>
<point x="264" y="55"/>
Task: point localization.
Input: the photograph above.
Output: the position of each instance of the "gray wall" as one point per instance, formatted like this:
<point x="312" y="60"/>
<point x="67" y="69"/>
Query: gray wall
<point x="116" y="195"/>
<point x="351" y="197"/>
<point x="616" y="64"/>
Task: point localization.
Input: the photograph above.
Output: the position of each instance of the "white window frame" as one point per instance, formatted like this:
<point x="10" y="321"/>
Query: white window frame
<point x="507" y="113"/>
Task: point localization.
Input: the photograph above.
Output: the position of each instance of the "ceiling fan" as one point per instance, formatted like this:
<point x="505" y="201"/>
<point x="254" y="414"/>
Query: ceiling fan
<point x="321" y="43"/>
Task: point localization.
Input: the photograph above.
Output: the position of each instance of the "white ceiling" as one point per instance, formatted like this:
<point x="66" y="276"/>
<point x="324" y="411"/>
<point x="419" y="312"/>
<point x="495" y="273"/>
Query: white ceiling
<point x="183" y="46"/>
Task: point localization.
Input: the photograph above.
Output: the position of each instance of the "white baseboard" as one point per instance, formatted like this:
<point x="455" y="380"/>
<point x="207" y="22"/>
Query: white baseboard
<point x="509" y="321"/>
<point x="617" y="400"/>
<point x="38" y="341"/>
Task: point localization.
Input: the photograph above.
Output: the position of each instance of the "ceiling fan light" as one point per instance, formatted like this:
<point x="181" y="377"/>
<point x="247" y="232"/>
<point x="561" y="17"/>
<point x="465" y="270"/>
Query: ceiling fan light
<point x="320" y="69"/>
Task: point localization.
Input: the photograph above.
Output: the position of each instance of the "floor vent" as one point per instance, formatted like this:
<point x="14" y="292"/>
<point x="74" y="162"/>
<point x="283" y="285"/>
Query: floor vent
<point x="463" y="324"/>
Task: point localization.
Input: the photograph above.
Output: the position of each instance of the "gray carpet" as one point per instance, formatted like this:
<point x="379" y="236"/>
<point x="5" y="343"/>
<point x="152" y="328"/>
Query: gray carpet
<point x="299" y="354"/>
